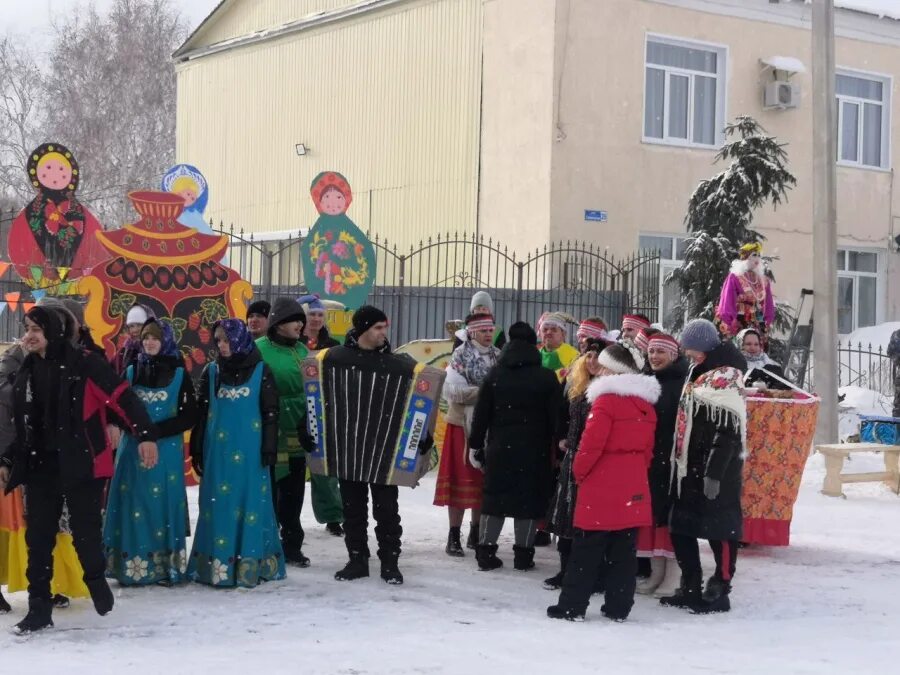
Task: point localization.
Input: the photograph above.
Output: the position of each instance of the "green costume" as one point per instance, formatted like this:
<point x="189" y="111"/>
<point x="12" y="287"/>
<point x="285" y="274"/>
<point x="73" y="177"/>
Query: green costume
<point x="284" y="362"/>
<point x="559" y="360"/>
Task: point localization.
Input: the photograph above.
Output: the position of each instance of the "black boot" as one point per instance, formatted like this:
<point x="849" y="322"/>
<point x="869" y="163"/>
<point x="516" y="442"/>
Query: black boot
<point x="542" y="538"/>
<point x="559" y="612"/>
<point x="4" y="605"/>
<point x="39" y="617"/>
<point x="618" y="618"/>
<point x="293" y="551"/>
<point x="390" y="572"/>
<point x="715" y="597"/>
<point x="687" y="595"/>
<point x="486" y="555"/>
<point x="554" y="583"/>
<point x="101" y="594"/>
<point x="335" y="529"/>
<point x="60" y="601"/>
<point x="472" y="541"/>
<point x="454" y="546"/>
<point x="356" y="568"/>
<point x="524" y="558"/>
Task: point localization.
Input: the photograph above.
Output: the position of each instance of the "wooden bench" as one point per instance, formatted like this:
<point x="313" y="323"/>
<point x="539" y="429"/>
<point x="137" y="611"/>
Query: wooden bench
<point x="834" y="464"/>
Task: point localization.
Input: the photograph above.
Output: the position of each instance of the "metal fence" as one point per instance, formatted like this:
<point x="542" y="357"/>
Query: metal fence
<point x="859" y="365"/>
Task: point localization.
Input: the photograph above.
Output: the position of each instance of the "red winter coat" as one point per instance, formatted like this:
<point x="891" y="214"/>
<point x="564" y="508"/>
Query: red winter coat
<point x="616" y="447"/>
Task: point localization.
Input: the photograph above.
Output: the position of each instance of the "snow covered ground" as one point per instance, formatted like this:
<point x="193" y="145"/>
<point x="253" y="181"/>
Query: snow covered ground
<point x="829" y="603"/>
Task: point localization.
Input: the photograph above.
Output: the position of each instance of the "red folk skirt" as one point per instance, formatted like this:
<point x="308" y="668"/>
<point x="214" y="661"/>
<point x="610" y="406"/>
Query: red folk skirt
<point x="654" y="542"/>
<point x="458" y="483"/>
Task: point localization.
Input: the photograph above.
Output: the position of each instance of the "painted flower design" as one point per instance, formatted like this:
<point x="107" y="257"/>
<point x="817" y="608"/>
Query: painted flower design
<point x="218" y="571"/>
<point x="136" y="568"/>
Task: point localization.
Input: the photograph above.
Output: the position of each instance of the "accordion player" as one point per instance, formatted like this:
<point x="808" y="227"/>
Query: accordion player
<point x="367" y="416"/>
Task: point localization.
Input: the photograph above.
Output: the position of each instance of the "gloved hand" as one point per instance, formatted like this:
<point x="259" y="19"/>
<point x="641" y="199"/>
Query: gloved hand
<point x="269" y="458"/>
<point x="476" y="458"/>
<point x="711" y="488"/>
<point x="305" y="438"/>
<point x="197" y="464"/>
<point x="426" y="443"/>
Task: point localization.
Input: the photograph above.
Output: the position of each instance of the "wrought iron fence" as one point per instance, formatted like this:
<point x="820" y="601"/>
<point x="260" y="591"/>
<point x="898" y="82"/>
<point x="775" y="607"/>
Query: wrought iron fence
<point x="859" y="365"/>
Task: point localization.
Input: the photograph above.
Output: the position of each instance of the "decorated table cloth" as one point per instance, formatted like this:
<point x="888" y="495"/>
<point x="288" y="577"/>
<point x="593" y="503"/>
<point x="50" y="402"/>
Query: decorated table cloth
<point x="779" y="437"/>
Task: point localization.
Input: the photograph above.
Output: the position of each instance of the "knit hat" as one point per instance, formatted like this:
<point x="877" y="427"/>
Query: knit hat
<point x="70" y="321"/>
<point x="592" y="329"/>
<point x="522" y="331"/>
<point x="76" y="308"/>
<point x="640" y="340"/>
<point x="664" y="342"/>
<point x="482" y="299"/>
<point x="700" y="335"/>
<point x="366" y="317"/>
<point x="260" y="307"/>
<point x="477" y="322"/>
<point x="559" y="319"/>
<point x="617" y="359"/>
<point x="311" y="304"/>
<point x="239" y="338"/>
<point x="635" y="321"/>
<point x="151" y="329"/>
<point x="136" y="315"/>
<point x="163" y="332"/>
<point x="283" y="311"/>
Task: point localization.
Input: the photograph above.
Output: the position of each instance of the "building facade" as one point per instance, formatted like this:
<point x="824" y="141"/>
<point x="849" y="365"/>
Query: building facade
<point x="533" y="121"/>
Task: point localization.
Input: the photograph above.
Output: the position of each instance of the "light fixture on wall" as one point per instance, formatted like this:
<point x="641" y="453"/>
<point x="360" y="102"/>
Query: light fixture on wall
<point x="301" y="149"/>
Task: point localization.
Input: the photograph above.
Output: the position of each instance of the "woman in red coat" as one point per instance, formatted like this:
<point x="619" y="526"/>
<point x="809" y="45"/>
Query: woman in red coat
<point x="613" y="500"/>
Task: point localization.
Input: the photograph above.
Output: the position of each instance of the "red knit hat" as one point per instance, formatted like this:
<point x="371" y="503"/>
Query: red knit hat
<point x="634" y="321"/>
<point x="664" y="342"/>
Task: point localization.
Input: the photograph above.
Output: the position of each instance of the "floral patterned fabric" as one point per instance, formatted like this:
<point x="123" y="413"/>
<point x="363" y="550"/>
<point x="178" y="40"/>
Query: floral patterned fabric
<point x="779" y="436"/>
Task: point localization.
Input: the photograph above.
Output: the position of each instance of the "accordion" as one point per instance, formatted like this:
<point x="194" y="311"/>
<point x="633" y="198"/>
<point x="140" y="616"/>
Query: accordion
<point x="367" y="412"/>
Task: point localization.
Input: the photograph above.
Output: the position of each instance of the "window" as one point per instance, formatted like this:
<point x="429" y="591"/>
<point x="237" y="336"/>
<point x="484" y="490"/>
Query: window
<point x="857" y="290"/>
<point x="863" y="104"/>
<point x="684" y="92"/>
<point x="671" y="253"/>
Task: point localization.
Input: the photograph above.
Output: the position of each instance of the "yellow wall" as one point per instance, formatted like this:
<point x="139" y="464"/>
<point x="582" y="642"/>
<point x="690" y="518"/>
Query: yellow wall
<point x="390" y="99"/>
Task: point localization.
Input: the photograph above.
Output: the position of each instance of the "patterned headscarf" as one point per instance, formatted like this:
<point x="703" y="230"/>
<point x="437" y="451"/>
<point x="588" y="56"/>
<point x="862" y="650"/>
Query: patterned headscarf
<point x="238" y="336"/>
<point x="163" y="332"/>
<point x="329" y="179"/>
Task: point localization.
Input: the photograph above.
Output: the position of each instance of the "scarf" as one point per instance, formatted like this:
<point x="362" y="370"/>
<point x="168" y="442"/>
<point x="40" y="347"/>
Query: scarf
<point x="473" y="361"/>
<point x="720" y="392"/>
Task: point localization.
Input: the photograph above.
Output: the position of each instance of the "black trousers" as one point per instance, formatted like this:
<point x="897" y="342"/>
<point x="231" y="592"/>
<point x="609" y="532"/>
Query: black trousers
<point x="288" y="495"/>
<point x="385" y="510"/>
<point x="589" y="550"/>
<point x="44" y="495"/>
<point x="687" y="552"/>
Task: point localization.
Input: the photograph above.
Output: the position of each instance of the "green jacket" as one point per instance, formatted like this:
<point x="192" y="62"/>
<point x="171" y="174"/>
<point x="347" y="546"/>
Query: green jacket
<point x="284" y="362"/>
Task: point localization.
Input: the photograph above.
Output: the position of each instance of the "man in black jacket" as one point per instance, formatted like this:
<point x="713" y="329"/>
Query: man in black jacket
<point x="61" y="397"/>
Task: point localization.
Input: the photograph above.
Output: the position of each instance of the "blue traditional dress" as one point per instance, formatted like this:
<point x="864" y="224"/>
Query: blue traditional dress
<point x="146" y="513"/>
<point x="237" y="542"/>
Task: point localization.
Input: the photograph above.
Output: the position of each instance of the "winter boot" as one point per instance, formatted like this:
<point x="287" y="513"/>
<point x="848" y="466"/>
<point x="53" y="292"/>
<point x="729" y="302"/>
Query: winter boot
<point x="293" y="552"/>
<point x="389" y="570"/>
<point x="715" y="598"/>
<point x="454" y="545"/>
<point x="560" y="612"/>
<point x="687" y="595"/>
<point x="356" y="568"/>
<point x="555" y="582"/>
<point x="618" y="618"/>
<point x="486" y="555"/>
<point x="335" y="529"/>
<point x="60" y="601"/>
<point x="101" y="594"/>
<point x="649" y="584"/>
<point x="671" y="581"/>
<point x="524" y="558"/>
<point x="40" y="611"/>
<point x="472" y="541"/>
<point x="542" y="538"/>
<point x="4" y="605"/>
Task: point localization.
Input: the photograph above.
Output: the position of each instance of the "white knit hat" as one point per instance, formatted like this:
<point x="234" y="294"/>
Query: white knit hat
<point x="136" y="315"/>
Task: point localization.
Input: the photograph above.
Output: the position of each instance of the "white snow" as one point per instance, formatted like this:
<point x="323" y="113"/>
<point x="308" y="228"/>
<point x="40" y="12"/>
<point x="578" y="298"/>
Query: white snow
<point x="826" y="604"/>
<point x="858" y="401"/>
<point x="788" y="64"/>
<point x="877" y="336"/>
<point x="881" y="8"/>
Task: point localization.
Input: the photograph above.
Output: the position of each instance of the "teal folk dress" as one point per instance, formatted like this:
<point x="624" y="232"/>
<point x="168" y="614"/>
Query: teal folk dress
<point x="237" y="542"/>
<point x="146" y="513"/>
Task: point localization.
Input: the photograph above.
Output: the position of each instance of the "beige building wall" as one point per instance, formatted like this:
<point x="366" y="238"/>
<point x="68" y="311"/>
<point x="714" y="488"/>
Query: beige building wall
<point x="391" y="99"/>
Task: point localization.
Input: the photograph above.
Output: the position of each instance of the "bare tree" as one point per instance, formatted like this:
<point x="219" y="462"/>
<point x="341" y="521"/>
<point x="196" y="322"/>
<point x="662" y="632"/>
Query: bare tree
<point x="21" y="98"/>
<point x="110" y="96"/>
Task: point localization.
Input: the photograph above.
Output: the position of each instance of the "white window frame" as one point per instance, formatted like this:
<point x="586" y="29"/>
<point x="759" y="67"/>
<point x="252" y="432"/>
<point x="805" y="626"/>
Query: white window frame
<point x="722" y="64"/>
<point x="667" y="263"/>
<point x="887" y="83"/>
<point x="878" y="275"/>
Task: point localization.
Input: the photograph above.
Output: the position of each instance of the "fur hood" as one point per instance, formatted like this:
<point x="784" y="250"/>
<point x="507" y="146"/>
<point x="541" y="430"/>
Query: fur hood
<point x="644" y="387"/>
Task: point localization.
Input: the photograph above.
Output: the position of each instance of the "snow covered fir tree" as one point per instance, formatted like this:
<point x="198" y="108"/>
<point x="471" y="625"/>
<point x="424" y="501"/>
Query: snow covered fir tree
<point x="720" y="214"/>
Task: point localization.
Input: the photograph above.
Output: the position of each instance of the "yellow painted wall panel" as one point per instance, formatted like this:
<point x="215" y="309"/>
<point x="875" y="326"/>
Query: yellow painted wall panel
<point x="391" y="100"/>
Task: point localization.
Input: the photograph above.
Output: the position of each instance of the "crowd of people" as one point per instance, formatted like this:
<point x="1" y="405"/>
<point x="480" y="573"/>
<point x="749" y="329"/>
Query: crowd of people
<point x="628" y="444"/>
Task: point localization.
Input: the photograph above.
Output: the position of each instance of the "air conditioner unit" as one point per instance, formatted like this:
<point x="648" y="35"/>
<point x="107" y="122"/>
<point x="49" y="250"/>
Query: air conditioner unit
<point x="781" y="94"/>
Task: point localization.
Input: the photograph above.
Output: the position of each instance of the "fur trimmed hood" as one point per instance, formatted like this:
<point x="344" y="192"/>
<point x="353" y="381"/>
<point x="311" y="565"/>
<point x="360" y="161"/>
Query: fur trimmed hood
<point x="645" y="387"/>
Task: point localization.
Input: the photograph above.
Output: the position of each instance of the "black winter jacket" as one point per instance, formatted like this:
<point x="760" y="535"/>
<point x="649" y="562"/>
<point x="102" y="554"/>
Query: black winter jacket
<point x="714" y="451"/>
<point x="516" y="414"/>
<point x="232" y="372"/>
<point x="671" y="380"/>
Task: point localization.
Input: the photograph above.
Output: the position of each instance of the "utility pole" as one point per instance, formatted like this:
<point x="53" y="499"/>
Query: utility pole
<point x="824" y="220"/>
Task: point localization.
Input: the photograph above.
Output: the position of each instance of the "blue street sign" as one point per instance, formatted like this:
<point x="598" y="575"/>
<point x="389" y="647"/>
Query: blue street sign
<point x="599" y="216"/>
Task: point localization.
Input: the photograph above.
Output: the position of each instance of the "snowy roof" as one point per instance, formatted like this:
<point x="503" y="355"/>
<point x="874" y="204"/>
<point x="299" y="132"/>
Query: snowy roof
<point x="789" y="64"/>
<point x="885" y="9"/>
